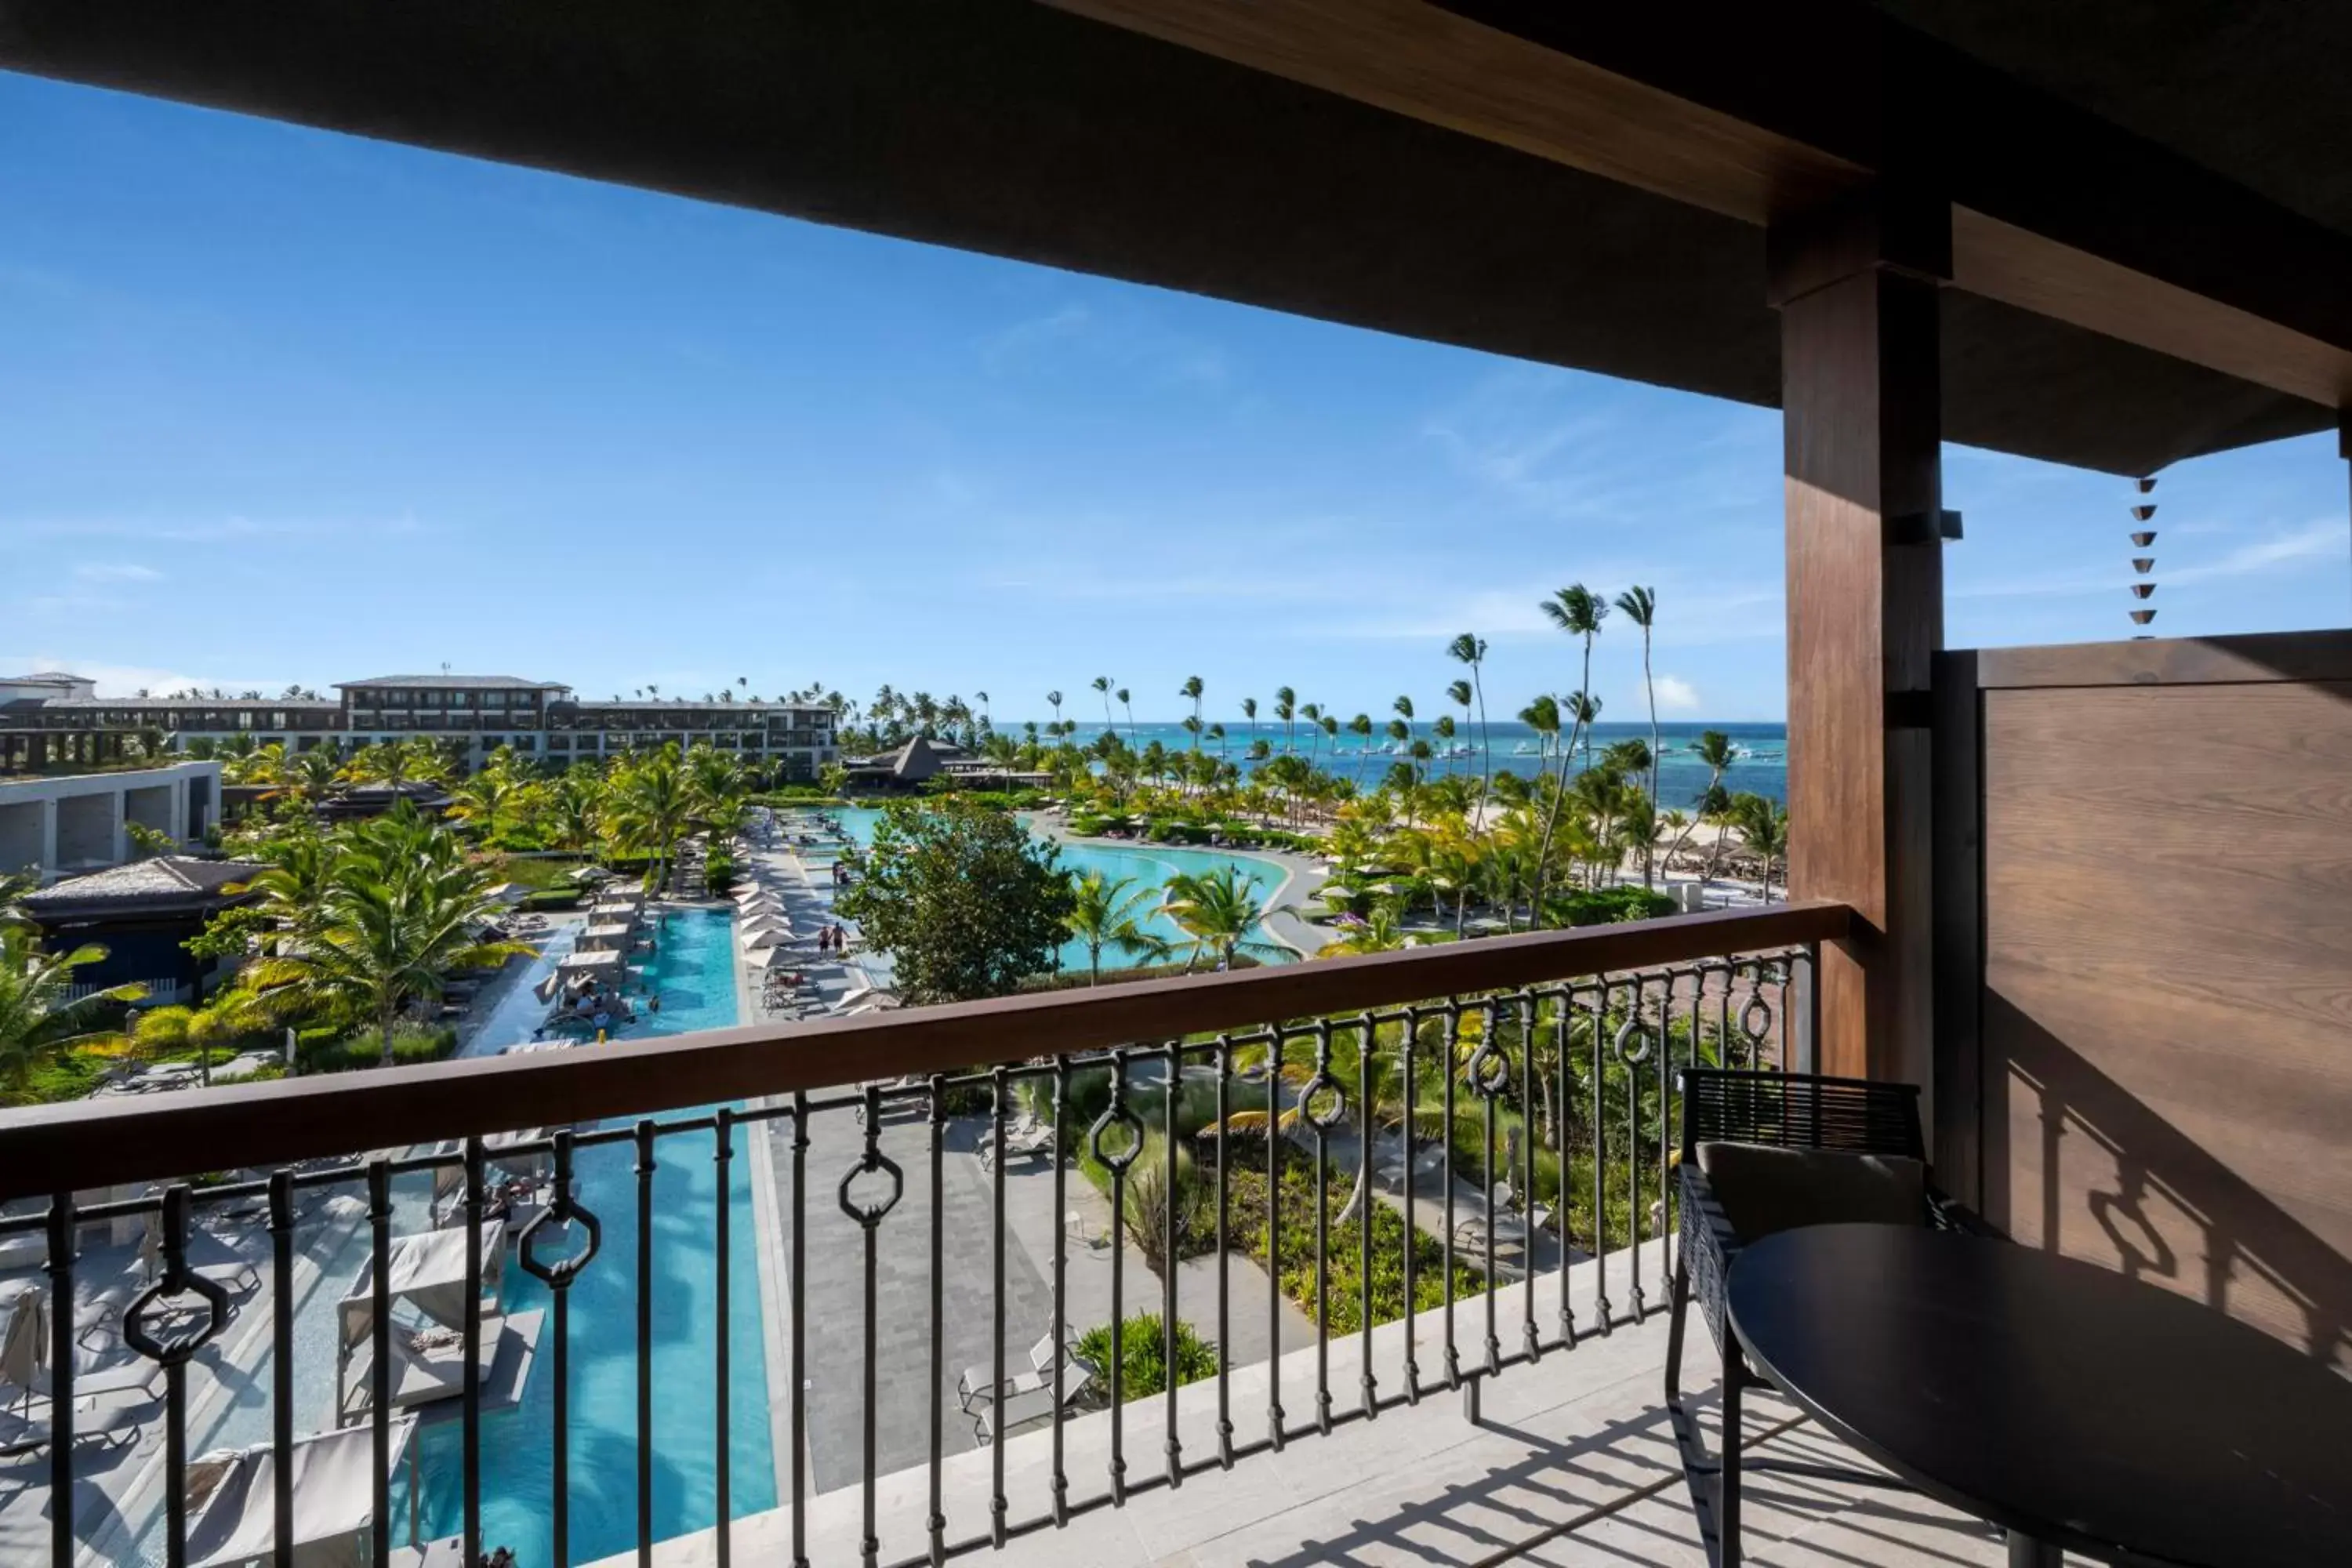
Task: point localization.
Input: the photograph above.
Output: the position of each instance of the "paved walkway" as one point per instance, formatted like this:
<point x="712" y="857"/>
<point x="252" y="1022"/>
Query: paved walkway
<point x="833" y="1295"/>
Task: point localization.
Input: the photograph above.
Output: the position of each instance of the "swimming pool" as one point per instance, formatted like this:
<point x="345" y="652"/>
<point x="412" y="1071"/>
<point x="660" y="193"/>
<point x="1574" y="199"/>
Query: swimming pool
<point x="1147" y="865"/>
<point x="693" y="970"/>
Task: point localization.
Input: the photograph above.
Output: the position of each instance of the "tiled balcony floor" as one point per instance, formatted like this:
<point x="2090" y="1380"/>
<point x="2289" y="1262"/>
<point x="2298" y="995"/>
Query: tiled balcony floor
<point x="1573" y="1460"/>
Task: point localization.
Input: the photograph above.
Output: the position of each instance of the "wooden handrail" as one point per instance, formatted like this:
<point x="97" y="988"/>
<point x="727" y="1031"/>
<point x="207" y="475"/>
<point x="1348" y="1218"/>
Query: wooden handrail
<point x="118" y="1142"/>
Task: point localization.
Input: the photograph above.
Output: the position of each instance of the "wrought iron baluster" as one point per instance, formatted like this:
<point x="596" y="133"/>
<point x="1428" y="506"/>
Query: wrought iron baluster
<point x="870" y="1219"/>
<point x="997" y="1506"/>
<point x="1224" y="1207"/>
<point x="1489" y="1072"/>
<point x="645" y="1173"/>
<point x="1320" y="1118"/>
<point x="1666" y="1080"/>
<point x="1528" y="1133"/>
<point x="1453" y="1071"/>
<point x="1061" y="1481"/>
<point x="471" y="1416"/>
<point x="1600" y="1123"/>
<point x="1411" y="1198"/>
<point x="379" y="1348"/>
<point x="1117" y="1162"/>
<point x="1273" y="1433"/>
<point x="1632" y="1029"/>
<point x="1564" y="1122"/>
<point x="557" y="1274"/>
<point x="722" y="1155"/>
<point x="1170" y="1097"/>
<point x="281" y="1365"/>
<point x="174" y="1281"/>
<point x="61" y="1379"/>
<point x="937" y="1520"/>
<point x="1367" y="1209"/>
<point x="798" y="1289"/>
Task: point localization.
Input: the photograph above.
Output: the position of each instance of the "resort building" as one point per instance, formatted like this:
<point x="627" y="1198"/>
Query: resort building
<point x="142" y="914"/>
<point x="59" y="825"/>
<point x="56" y="719"/>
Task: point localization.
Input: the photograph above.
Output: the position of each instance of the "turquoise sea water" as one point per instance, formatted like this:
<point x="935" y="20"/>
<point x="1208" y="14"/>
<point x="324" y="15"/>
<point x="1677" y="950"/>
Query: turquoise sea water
<point x="693" y="970"/>
<point x="1148" y="865"/>
<point x="1762" y="766"/>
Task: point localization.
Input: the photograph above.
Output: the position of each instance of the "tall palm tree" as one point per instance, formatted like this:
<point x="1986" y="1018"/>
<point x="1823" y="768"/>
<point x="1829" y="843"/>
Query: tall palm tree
<point x="1313" y="713"/>
<point x="39" y="1021"/>
<point x="1640" y="607"/>
<point x="1105" y="916"/>
<point x="1361" y="727"/>
<point x="1218" y="911"/>
<point x="1579" y="611"/>
<point x="982" y="698"/>
<point x="1286" y="708"/>
<point x="1102" y="684"/>
<point x="1249" y="712"/>
<point x="1125" y="707"/>
<point x="1055" y="697"/>
<point x="1470" y="650"/>
<point x="1192" y="688"/>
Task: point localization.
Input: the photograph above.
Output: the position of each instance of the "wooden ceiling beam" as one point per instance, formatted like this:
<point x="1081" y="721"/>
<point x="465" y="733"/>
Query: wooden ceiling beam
<point x="1787" y="109"/>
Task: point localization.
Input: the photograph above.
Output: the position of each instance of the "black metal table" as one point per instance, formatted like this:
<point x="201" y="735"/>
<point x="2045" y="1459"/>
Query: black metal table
<point x="2079" y="1410"/>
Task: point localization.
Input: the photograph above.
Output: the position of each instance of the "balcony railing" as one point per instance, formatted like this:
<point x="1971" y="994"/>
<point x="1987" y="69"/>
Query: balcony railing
<point x="1418" y="1062"/>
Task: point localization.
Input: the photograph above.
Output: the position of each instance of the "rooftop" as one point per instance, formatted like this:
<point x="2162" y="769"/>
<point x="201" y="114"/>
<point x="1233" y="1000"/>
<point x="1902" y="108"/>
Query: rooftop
<point x="454" y="683"/>
<point x="161" y="881"/>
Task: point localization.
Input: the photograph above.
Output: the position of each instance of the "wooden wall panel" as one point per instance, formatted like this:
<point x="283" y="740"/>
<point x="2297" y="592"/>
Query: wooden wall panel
<point x="2167" y="1009"/>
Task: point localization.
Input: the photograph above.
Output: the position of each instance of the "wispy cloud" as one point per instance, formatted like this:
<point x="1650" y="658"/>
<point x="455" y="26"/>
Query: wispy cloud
<point x="2316" y="541"/>
<point x="1125" y="339"/>
<point x="1677" y="695"/>
<point x="124" y="680"/>
<point x="117" y="572"/>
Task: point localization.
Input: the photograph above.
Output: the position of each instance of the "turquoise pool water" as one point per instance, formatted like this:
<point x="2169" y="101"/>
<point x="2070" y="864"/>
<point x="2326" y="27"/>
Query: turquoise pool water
<point x="1148" y="865"/>
<point x="693" y="970"/>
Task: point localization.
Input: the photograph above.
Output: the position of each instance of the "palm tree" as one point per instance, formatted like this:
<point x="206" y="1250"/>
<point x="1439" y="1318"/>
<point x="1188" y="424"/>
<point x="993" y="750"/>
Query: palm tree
<point x="651" y="803"/>
<point x="1192" y="688"/>
<point x="38" y="1020"/>
<point x="1377" y="932"/>
<point x="1125" y="707"/>
<point x="1714" y="749"/>
<point x="1640" y="607"/>
<point x="1361" y="727"/>
<point x="1056" y="698"/>
<point x="1249" y="712"/>
<point x="1286" y="708"/>
<point x="1764" y="825"/>
<point x="1579" y="611"/>
<point x="1219" y="911"/>
<point x="1105" y="916"/>
<point x="399" y="914"/>
<point x="1102" y="684"/>
<point x="980" y="697"/>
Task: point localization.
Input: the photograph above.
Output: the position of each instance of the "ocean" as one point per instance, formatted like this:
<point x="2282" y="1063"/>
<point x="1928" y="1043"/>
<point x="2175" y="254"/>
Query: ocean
<point x="1762" y="750"/>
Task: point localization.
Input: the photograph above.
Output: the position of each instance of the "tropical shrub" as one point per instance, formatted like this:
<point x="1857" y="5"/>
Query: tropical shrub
<point x="1343" y="1303"/>
<point x="1143" y="1354"/>
<point x="718" y="871"/>
<point x="1610" y="906"/>
<point x="411" y="1043"/>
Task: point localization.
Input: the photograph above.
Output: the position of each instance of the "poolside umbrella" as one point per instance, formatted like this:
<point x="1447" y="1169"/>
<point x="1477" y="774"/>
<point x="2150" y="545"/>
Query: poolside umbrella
<point x="754" y="940"/>
<point x="507" y="893"/>
<point x="761" y="957"/>
<point x="21" y="1344"/>
<point x="759" y="929"/>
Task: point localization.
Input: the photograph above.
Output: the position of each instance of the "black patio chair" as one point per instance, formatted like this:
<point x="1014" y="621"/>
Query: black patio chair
<point x="1767" y="1152"/>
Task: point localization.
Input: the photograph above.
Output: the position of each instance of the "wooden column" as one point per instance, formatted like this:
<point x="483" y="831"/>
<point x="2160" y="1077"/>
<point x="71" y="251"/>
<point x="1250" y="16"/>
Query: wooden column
<point x="1856" y="290"/>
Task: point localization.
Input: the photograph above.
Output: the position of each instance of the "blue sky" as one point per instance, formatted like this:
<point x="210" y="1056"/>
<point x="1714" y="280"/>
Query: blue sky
<point x="282" y="405"/>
